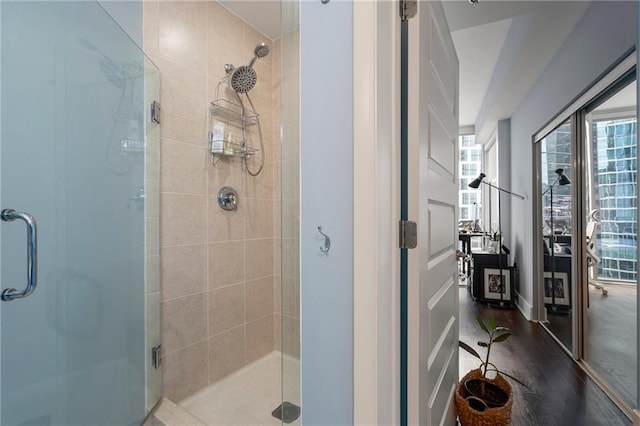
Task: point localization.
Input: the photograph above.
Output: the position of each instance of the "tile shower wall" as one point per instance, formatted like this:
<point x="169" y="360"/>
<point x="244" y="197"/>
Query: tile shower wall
<point x="218" y="277"/>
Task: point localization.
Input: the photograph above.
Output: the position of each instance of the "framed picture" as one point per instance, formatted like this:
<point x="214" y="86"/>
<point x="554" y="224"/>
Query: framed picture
<point x="496" y="283"/>
<point x="557" y="291"/>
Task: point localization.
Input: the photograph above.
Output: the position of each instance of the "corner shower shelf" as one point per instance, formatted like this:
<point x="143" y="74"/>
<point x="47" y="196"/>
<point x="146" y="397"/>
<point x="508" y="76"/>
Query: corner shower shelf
<point x="231" y="113"/>
<point x="222" y="110"/>
<point x="238" y="150"/>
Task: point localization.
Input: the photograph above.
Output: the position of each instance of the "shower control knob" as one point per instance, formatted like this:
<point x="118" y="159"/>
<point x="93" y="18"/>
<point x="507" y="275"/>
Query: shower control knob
<point x="228" y="198"/>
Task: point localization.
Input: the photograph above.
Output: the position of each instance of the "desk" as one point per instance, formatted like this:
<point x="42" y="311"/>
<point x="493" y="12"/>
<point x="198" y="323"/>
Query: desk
<point x="465" y="237"/>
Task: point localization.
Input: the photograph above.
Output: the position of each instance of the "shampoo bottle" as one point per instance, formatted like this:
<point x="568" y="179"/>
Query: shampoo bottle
<point x="217" y="139"/>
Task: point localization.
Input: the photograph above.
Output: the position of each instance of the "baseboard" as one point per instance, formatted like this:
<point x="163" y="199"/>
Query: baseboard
<point x="524" y="307"/>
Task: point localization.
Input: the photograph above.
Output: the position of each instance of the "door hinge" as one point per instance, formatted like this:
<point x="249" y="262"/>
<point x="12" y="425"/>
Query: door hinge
<point x="155" y="112"/>
<point x="408" y="9"/>
<point x="408" y="234"/>
<point x="156" y="356"/>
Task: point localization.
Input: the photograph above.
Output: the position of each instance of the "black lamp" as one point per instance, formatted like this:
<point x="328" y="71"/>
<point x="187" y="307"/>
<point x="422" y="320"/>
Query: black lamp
<point x="476" y="184"/>
<point x="561" y="180"/>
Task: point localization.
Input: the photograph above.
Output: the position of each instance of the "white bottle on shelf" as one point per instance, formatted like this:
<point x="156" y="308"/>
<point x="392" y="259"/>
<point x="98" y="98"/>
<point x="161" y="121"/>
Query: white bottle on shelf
<point x="217" y="139"/>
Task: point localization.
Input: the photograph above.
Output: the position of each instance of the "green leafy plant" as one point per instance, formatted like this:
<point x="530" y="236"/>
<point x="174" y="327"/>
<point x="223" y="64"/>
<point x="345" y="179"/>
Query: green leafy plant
<point x="495" y="236"/>
<point x="496" y="334"/>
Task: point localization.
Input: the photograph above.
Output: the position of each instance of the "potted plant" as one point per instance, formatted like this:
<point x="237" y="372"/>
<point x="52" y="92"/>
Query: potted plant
<point x="480" y="399"/>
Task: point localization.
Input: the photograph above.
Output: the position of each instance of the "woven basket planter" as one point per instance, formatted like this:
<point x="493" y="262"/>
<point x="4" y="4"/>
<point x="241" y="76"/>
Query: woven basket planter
<point x="500" y="416"/>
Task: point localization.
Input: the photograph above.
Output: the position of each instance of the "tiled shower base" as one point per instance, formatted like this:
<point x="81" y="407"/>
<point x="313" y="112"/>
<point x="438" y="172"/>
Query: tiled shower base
<point x="248" y="396"/>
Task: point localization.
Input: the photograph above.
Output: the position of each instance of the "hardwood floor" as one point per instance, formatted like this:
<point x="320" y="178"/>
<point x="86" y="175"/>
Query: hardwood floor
<point x="558" y="393"/>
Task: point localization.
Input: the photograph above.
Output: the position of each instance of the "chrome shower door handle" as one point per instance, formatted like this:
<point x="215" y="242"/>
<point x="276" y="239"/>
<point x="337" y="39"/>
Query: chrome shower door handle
<point x="9" y="215"/>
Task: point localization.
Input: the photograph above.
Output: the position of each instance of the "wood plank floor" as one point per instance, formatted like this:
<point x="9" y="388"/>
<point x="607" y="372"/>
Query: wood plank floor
<point x="559" y="392"/>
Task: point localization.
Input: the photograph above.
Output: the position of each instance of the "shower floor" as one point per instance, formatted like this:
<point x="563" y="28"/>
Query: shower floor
<point x="248" y="396"/>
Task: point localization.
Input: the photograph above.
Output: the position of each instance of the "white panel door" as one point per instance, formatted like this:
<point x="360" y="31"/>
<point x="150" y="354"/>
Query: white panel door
<point x="432" y="197"/>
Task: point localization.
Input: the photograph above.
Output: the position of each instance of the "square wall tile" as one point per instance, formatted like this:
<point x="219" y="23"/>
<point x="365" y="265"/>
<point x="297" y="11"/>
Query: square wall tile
<point x="226" y="263"/>
<point x="226" y="353"/>
<point x="183" y="220"/>
<point x="185" y="371"/>
<point x="183" y="168"/>
<point x="226" y="225"/>
<point x="260" y="340"/>
<point x="183" y="90"/>
<point x="259" y="302"/>
<point x="184" y="321"/>
<point x="259" y="218"/>
<point x="184" y="270"/>
<point x="259" y="258"/>
<point x="183" y="33"/>
<point x="226" y="308"/>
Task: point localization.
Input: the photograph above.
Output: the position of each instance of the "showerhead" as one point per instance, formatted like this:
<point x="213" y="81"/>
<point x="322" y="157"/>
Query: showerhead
<point x="261" y="50"/>
<point x="244" y="78"/>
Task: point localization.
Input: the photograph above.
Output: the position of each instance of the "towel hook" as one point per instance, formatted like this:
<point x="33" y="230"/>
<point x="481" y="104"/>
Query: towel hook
<point x="327" y="241"/>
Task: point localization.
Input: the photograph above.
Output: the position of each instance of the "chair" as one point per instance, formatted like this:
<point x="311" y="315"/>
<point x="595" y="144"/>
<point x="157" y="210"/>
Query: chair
<point x="592" y="258"/>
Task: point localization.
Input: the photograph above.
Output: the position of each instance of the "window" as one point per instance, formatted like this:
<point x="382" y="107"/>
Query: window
<point x="469" y="165"/>
<point x="469" y="169"/>
<point x="614" y="168"/>
<point x="469" y="197"/>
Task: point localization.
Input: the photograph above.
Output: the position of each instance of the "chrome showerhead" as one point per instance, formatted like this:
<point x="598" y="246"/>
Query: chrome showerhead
<point x="243" y="79"/>
<point x="260" y="51"/>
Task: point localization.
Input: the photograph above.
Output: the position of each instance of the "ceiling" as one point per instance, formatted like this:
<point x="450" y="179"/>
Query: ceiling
<point x="503" y="46"/>
<point x="263" y="15"/>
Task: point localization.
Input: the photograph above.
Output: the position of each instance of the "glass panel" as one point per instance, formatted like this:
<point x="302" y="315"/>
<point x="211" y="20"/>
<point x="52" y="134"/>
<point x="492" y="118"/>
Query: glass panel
<point x="556" y="219"/>
<point x="73" y="156"/>
<point x="290" y="294"/>
<point x="152" y="231"/>
<point x="611" y="244"/>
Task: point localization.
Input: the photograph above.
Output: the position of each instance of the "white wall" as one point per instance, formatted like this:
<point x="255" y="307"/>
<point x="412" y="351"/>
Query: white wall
<point x="326" y="40"/>
<point x="606" y="31"/>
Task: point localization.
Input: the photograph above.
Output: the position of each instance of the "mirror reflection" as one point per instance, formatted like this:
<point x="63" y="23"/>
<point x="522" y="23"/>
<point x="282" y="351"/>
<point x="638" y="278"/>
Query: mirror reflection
<point x="557" y="206"/>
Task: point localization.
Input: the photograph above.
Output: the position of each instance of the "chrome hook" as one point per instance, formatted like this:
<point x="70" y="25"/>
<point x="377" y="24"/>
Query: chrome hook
<point x="327" y="241"/>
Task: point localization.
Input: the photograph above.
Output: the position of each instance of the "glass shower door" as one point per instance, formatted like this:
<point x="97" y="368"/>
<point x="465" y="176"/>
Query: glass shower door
<point x="73" y="157"/>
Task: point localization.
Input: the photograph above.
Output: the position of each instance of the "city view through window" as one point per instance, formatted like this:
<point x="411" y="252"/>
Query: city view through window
<point x="613" y="192"/>
<point x="470" y="200"/>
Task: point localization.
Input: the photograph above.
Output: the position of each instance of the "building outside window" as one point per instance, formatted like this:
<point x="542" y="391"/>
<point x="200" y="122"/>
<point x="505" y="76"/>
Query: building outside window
<point x="470" y="165"/>
<point x="615" y="168"/>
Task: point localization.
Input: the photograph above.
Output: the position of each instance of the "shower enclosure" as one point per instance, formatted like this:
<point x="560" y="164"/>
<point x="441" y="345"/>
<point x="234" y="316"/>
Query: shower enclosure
<point x="79" y="155"/>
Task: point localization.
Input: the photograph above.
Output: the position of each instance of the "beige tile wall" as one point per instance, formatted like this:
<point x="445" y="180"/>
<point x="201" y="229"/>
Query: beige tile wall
<point x="218" y="278"/>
